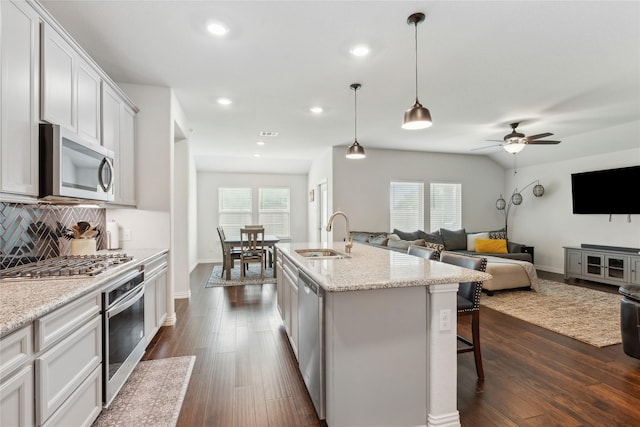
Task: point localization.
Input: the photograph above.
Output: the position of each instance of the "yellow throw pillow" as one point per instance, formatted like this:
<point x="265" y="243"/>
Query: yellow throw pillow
<point x="491" y="246"/>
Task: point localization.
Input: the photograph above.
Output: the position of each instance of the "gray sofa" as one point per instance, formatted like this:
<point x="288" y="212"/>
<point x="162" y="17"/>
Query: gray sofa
<point x="443" y="239"/>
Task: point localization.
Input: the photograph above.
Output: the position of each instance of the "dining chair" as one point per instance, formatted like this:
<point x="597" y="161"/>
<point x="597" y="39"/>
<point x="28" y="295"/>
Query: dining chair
<point x="468" y="304"/>
<point x="421" y="251"/>
<point x="252" y="249"/>
<point x="234" y="254"/>
<point x="253" y="226"/>
<point x="268" y="249"/>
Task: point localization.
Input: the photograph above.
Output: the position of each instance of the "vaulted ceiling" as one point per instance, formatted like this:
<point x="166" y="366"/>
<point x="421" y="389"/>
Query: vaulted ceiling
<point x="571" y="68"/>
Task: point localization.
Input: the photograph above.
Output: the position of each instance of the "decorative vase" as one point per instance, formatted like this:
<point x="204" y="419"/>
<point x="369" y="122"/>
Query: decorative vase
<point x="83" y="247"/>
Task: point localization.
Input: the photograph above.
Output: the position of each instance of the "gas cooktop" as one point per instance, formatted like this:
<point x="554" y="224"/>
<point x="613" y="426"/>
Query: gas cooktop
<point x="65" y="267"/>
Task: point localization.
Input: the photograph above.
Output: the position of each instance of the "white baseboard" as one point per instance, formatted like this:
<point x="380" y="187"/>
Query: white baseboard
<point x="182" y="295"/>
<point x="550" y="269"/>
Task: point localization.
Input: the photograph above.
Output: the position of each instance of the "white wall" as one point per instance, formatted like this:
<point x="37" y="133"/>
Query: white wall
<point x="193" y="212"/>
<point x="209" y="249"/>
<point x="361" y="187"/>
<point x="320" y="171"/>
<point x="548" y="223"/>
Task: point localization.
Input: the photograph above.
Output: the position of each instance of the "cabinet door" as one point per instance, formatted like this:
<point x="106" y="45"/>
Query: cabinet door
<point x="617" y="268"/>
<point x="150" y="308"/>
<point x="16" y="399"/>
<point x="634" y="273"/>
<point x="294" y="317"/>
<point x="161" y="298"/>
<point x="573" y="263"/>
<point x="59" y="68"/>
<point x="127" y="157"/>
<point x="593" y="265"/>
<point x="88" y="102"/>
<point x="19" y="98"/>
<point x="279" y="286"/>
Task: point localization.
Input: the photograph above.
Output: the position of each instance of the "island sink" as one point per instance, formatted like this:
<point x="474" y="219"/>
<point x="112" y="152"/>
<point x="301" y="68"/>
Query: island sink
<point x="321" y="253"/>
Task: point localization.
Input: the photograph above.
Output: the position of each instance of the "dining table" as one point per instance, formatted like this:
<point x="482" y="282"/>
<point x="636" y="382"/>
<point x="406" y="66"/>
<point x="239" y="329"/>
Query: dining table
<point x="233" y="241"/>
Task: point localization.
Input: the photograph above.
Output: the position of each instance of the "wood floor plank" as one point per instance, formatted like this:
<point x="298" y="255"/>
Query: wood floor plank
<point x="245" y="373"/>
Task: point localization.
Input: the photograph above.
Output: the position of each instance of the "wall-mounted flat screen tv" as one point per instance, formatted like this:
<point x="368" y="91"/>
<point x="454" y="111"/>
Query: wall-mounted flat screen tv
<point x="611" y="191"/>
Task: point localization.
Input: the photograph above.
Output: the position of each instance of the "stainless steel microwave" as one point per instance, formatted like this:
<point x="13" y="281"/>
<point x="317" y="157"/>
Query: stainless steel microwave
<point x="71" y="168"/>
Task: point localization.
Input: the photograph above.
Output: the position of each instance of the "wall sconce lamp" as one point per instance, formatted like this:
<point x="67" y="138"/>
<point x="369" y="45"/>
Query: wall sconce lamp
<point x="516" y="199"/>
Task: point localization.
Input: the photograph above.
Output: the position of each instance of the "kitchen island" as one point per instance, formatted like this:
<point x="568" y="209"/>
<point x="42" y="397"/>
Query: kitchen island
<point x="389" y="335"/>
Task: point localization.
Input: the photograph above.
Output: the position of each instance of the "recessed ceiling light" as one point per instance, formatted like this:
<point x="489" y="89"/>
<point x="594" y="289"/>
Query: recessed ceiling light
<point x="224" y="101"/>
<point x="316" y="110"/>
<point x="256" y="155"/>
<point x="360" y="50"/>
<point x="217" y="29"/>
<point x="260" y="142"/>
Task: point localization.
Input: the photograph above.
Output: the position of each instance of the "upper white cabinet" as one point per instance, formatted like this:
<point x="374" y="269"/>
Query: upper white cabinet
<point x="19" y="97"/>
<point x="118" y="135"/>
<point x="70" y="87"/>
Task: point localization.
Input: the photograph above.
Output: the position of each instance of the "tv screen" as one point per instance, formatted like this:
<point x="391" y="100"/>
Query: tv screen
<point x="612" y="191"/>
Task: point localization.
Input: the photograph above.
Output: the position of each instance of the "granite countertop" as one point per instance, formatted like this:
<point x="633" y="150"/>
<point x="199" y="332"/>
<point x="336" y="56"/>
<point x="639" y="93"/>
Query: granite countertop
<point x="22" y="301"/>
<point x="368" y="268"/>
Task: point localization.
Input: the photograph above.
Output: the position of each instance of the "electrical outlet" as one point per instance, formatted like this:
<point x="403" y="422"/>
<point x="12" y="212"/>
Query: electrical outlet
<point x="445" y="320"/>
<point x="126" y="234"/>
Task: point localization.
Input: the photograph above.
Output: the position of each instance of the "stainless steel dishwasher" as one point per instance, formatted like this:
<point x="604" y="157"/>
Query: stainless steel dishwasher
<point x="311" y="340"/>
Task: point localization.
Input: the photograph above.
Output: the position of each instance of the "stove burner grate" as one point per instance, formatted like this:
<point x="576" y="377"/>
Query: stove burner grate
<point x="66" y="267"/>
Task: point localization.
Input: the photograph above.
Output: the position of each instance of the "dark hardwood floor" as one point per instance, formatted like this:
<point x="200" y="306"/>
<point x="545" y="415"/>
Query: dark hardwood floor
<point x="245" y="373"/>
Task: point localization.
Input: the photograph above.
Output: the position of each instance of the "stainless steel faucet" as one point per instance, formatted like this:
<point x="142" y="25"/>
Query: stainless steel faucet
<point x="348" y="244"/>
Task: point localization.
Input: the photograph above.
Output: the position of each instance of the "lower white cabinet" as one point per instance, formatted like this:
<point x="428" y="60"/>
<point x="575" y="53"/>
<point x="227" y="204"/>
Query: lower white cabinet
<point x="290" y="301"/>
<point x="63" y="368"/>
<point x="16" y="399"/>
<point x="84" y="404"/>
<point x="155" y="296"/>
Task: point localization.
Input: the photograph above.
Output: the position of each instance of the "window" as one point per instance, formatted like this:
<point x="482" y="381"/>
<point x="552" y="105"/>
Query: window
<point x="274" y="211"/>
<point x="446" y="206"/>
<point x="406" y="205"/>
<point x="234" y="208"/>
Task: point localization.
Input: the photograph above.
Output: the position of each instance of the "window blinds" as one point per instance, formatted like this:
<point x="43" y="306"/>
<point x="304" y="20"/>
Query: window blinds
<point x="445" y="206"/>
<point x="274" y="211"/>
<point x="406" y="205"/>
<point x="234" y="208"/>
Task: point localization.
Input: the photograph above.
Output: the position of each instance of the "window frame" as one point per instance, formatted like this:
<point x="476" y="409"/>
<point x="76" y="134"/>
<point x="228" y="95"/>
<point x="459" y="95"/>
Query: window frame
<point x="419" y="215"/>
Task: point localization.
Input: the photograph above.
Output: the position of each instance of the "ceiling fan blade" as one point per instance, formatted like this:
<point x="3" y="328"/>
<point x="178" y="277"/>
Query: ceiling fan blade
<point x="543" y="142"/>
<point x="538" y="136"/>
<point x="488" y="146"/>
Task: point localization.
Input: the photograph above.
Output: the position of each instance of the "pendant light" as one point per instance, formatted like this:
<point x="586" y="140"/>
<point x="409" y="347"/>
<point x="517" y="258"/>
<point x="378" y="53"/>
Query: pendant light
<point x="355" y="150"/>
<point x="416" y="117"/>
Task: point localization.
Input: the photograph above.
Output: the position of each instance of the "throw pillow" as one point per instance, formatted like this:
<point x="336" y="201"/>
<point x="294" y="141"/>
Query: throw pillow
<point x="454" y="239"/>
<point x="380" y="239"/>
<point x="471" y="240"/>
<point x="393" y="237"/>
<point x="491" y="246"/>
<point x="498" y="234"/>
<point x="414" y="235"/>
<point x="435" y="246"/>
<point x="431" y="237"/>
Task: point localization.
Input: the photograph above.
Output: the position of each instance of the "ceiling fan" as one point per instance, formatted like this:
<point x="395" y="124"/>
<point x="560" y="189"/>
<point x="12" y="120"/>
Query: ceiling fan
<point x="515" y="141"/>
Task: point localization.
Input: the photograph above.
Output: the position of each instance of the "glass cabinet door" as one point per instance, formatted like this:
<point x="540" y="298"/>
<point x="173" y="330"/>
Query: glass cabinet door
<point x="616" y="268"/>
<point x="594" y="265"/>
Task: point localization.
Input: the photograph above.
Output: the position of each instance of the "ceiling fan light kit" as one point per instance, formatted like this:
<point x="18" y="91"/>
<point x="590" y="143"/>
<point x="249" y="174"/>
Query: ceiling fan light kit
<point x="416" y="117"/>
<point x="355" y="150"/>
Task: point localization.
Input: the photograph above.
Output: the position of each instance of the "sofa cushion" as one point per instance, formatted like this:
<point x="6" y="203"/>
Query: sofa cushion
<point x="438" y="248"/>
<point x="431" y="237"/>
<point x="414" y="235"/>
<point x="471" y="240"/>
<point x="380" y="239"/>
<point x="404" y="244"/>
<point x="361" y="236"/>
<point x="498" y="234"/>
<point x="491" y="246"/>
<point x="454" y="239"/>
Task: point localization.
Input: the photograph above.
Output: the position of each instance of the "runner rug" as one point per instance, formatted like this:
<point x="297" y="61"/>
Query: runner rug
<point x="583" y="314"/>
<point x="252" y="276"/>
<point x="152" y="396"/>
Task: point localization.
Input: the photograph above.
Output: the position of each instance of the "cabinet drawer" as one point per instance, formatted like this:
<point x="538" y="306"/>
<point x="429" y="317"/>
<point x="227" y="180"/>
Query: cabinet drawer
<point x="15" y="350"/>
<point x="61" y="370"/>
<point x="155" y="265"/>
<point x="83" y="406"/>
<point x="54" y="326"/>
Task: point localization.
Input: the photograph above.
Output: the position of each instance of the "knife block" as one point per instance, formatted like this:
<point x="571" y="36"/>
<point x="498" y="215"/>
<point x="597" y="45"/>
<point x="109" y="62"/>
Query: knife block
<point x="83" y="247"/>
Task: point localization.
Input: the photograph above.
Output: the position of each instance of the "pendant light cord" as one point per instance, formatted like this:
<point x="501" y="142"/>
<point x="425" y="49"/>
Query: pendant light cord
<point x="355" y="114"/>
<point x="416" y="52"/>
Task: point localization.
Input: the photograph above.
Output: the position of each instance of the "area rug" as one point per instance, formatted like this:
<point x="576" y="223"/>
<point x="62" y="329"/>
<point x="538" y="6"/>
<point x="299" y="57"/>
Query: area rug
<point x="583" y="314"/>
<point x="252" y="276"/>
<point x="152" y="396"/>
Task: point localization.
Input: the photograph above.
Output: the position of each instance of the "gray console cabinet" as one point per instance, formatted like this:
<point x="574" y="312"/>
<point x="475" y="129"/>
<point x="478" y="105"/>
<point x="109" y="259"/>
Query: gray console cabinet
<point x="600" y="264"/>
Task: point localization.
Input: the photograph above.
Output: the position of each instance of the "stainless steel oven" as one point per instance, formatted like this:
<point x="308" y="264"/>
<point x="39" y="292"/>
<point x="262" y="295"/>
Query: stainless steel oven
<point x="123" y="331"/>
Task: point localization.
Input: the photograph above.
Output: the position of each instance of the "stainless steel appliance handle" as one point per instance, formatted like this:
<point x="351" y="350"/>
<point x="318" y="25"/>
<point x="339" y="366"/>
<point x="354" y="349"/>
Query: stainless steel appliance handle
<point x="106" y="187"/>
<point x="126" y="303"/>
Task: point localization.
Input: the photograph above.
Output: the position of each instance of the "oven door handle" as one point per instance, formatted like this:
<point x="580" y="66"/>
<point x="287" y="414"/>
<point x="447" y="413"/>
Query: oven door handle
<point x="125" y="303"/>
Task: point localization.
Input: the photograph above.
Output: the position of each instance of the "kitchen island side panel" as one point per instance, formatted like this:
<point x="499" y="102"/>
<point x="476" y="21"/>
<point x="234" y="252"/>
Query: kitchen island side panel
<point x="376" y="357"/>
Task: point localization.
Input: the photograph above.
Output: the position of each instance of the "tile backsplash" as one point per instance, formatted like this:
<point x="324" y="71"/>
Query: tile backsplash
<point x="33" y="231"/>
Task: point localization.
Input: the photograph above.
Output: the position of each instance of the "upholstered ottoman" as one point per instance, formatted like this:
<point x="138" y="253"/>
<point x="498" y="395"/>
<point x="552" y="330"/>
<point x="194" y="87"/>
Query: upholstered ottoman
<point x="630" y="319"/>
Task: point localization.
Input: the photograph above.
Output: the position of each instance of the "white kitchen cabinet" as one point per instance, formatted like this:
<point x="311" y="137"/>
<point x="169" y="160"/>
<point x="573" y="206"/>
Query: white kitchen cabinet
<point x="16" y="399"/>
<point x="83" y="406"/>
<point x="16" y="378"/>
<point x="290" y="302"/>
<point x="280" y="285"/>
<point x="118" y="135"/>
<point x="70" y="87"/>
<point x="155" y="296"/>
<point x="19" y="97"/>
